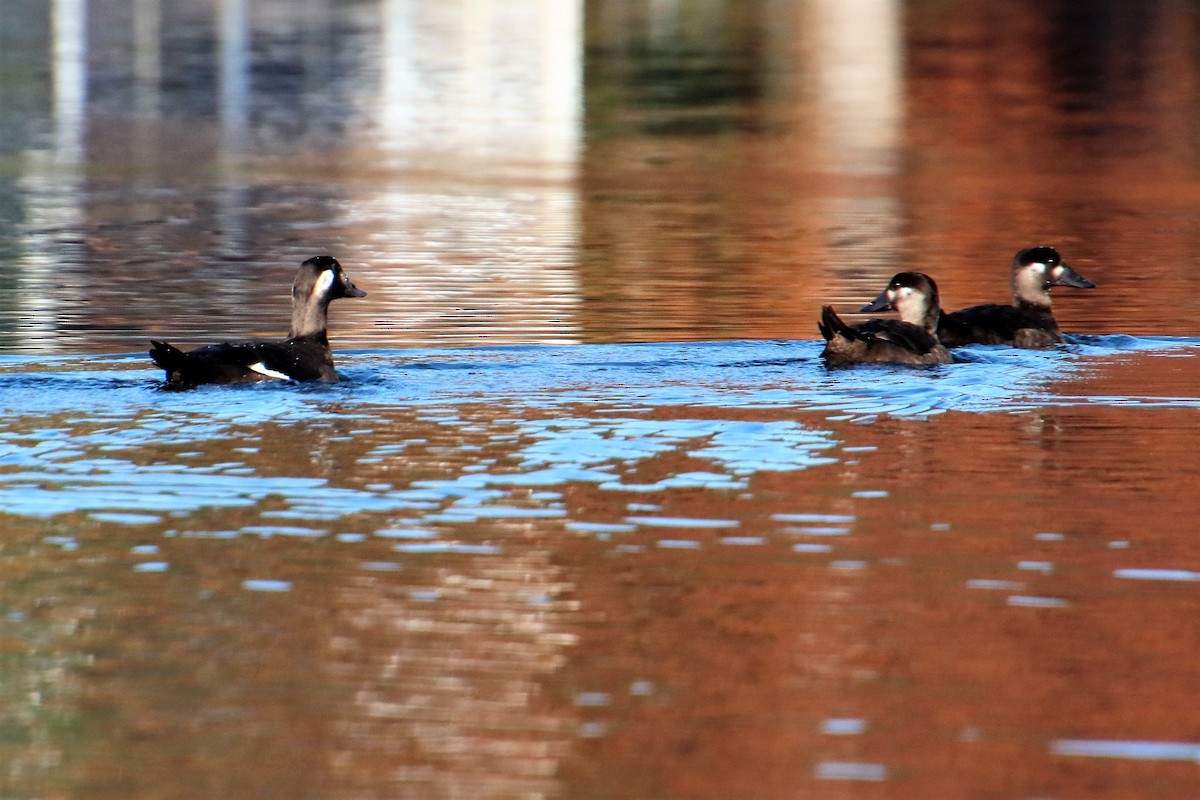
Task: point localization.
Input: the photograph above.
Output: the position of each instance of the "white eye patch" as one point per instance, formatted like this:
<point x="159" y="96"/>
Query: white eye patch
<point x="324" y="282"/>
<point x="1057" y="272"/>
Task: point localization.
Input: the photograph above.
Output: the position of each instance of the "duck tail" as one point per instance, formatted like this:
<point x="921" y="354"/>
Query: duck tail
<point x="173" y="360"/>
<point x="167" y="356"/>
<point x="180" y="367"/>
<point x="832" y="325"/>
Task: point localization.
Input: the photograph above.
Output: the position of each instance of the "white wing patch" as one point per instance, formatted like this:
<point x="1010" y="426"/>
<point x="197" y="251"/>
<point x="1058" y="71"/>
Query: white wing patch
<point x="263" y="369"/>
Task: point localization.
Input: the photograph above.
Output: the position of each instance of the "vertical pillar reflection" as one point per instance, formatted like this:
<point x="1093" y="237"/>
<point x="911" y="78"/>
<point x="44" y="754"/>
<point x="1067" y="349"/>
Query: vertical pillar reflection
<point x="51" y="248"/>
<point x="453" y="78"/>
<point x="69" y="36"/>
<point x="398" y="81"/>
<point x="483" y="94"/>
<point x="234" y="109"/>
<point x="147" y="59"/>
<point x="234" y="37"/>
<point x="662" y="20"/>
<point x="856" y="60"/>
<point x="147" y="99"/>
<point x="562" y="82"/>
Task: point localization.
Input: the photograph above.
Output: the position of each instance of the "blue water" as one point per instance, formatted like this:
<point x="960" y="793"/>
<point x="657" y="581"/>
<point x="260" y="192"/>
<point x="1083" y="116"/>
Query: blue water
<point x="458" y="519"/>
<point x="96" y="434"/>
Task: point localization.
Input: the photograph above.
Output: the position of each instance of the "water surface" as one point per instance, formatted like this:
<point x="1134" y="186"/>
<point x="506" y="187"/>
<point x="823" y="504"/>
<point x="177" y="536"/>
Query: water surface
<point x="587" y="517"/>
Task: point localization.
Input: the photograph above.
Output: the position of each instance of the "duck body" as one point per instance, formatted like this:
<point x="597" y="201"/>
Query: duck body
<point x="304" y="356"/>
<point x="912" y="339"/>
<point x="1029" y="322"/>
<point x="1030" y="328"/>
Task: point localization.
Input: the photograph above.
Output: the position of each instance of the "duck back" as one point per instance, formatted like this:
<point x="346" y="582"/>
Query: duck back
<point x="999" y="324"/>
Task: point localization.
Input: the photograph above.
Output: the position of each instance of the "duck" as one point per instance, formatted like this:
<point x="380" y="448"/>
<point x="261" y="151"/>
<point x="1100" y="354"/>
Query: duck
<point x="1028" y="322"/>
<point x="303" y="356"/>
<point x="911" y="339"/>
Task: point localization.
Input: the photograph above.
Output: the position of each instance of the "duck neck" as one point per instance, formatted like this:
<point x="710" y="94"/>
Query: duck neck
<point x="1029" y="292"/>
<point x="930" y="321"/>
<point x="920" y="310"/>
<point x="309" y="320"/>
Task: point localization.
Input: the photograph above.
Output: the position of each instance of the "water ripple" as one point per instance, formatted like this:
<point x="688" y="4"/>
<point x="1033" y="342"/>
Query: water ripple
<point x="75" y="431"/>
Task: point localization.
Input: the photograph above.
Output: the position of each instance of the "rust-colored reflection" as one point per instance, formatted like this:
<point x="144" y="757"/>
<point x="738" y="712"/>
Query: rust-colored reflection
<point x="602" y="171"/>
<point x="391" y="588"/>
<point x="968" y="615"/>
<point x="533" y="593"/>
<point x="272" y="648"/>
<point x="743" y="171"/>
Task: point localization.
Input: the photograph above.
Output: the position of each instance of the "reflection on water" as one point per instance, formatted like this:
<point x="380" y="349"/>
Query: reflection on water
<point x="189" y="172"/>
<point x="526" y="172"/>
<point x="703" y="566"/>
<point x="548" y="570"/>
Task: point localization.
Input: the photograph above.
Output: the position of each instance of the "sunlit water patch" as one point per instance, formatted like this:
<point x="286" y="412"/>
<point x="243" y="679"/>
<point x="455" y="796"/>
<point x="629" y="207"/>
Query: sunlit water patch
<point x="1128" y="749"/>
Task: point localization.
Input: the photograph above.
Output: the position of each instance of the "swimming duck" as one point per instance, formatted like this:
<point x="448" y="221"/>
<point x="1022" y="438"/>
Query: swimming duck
<point x="1026" y="323"/>
<point x="912" y="339"/>
<point x="303" y="356"/>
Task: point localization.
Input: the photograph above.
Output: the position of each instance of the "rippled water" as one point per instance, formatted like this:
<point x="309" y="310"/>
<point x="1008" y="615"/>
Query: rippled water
<point x="587" y="516"/>
<point x="522" y="565"/>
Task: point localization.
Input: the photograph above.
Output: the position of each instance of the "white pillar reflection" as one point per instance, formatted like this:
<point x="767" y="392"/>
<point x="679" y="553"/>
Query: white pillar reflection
<point x="234" y="108"/>
<point x="482" y="78"/>
<point x="147" y="101"/>
<point x="856" y="60"/>
<point x="561" y="82"/>
<point x="51" y="250"/>
<point x="147" y="58"/>
<point x="663" y="20"/>
<point x="69" y="37"/>
<point x="487" y="95"/>
<point x="234" y="35"/>
<point x="399" y="81"/>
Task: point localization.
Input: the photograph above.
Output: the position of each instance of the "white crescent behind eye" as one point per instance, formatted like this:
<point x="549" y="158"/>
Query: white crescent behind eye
<point x="324" y="282"/>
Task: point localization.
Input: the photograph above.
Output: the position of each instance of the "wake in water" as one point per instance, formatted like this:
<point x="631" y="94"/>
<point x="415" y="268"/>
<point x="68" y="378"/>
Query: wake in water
<point x="96" y="435"/>
<point x="764" y="374"/>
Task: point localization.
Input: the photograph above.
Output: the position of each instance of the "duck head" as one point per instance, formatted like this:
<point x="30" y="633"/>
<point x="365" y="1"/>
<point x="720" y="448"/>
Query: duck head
<point x="913" y="295"/>
<point x="320" y="281"/>
<point x="1035" y="270"/>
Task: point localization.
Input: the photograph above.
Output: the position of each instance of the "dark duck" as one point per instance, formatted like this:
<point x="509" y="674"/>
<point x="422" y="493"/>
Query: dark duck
<point x="303" y="356"/>
<point x="911" y="339"/>
<point x="1028" y="322"/>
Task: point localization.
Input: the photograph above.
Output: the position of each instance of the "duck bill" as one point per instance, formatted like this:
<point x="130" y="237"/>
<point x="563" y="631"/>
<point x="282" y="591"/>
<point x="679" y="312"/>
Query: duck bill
<point x="1065" y="276"/>
<point x="881" y="303"/>
<point x="349" y="289"/>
